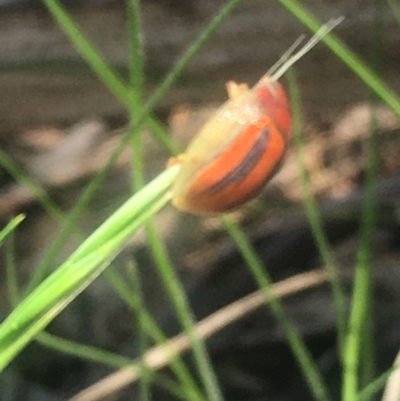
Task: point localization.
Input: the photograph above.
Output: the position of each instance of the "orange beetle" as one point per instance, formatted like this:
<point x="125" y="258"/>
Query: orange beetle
<point x="242" y="145"/>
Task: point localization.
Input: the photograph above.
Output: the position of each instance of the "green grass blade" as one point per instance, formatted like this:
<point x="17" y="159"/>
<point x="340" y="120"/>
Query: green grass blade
<point x="11" y="226"/>
<point x="21" y="177"/>
<point x="87" y="50"/>
<point x="136" y="50"/>
<point x="12" y="274"/>
<point x="83" y="266"/>
<point x="134" y="301"/>
<point x="359" y="67"/>
<point x="376" y="385"/>
<point x="358" y="363"/>
<point x="182" y="308"/>
<point x="297" y="345"/>
<point x="362" y="279"/>
<point x="314" y="217"/>
<point x="395" y="6"/>
<point x="82" y="351"/>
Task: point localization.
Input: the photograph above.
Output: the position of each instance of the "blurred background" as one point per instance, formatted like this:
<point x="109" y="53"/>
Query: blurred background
<point x="59" y="124"/>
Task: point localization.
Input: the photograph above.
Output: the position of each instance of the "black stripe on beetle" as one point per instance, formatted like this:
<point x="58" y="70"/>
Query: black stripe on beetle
<point x="246" y="166"/>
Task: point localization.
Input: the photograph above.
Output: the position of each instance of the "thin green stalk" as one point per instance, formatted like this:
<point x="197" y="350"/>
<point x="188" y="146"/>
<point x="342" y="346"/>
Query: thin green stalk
<point x="133" y="300"/>
<point x="136" y="82"/>
<point x="99" y="356"/>
<point x="82" y="351"/>
<point x="395" y="6"/>
<point x="19" y="175"/>
<point x="314" y="217"/>
<point x="360" y="314"/>
<point x="174" y="389"/>
<point x="136" y="143"/>
<point x="367" y="359"/>
<point x="100" y="67"/>
<point x="113" y="82"/>
<point x="9" y="232"/>
<point x="136" y="68"/>
<point x="12" y="274"/>
<point x="177" y="295"/>
<point x="10" y="227"/>
<point x="137" y="158"/>
<point x="296" y="343"/>
<point x="376" y="385"/>
<point x="136" y="51"/>
<point x="142" y="339"/>
<point x="190" y="53"/>
<point x="159" y="133"/>
<point x="370" y="77"/>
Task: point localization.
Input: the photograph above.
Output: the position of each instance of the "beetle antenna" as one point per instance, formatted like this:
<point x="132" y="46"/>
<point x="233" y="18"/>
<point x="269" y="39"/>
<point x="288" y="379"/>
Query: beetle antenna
<point x="288" y="58"/>
<point x="285" y="56"/>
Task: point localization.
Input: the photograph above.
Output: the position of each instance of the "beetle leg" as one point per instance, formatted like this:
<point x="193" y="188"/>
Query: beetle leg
<point x="173" y="161"/>
<point x="234" y="89"/>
